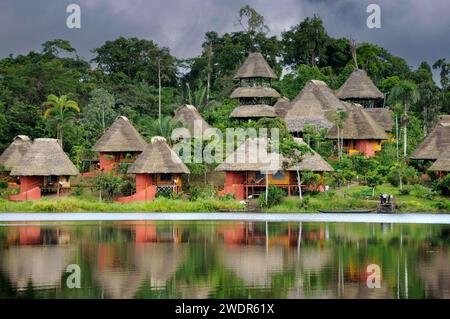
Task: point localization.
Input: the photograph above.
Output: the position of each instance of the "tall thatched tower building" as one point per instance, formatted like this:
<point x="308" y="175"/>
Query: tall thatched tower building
<point x="255" y="93"/>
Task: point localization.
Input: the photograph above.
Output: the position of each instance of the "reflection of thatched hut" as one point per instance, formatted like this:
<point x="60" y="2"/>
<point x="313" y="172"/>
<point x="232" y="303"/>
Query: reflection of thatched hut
<point x="360" y="88"/>
<point x="253" y="264"/>
<point x="254" y="93"/>
<point x="40" y="266"/>
<point x="360" y="132"/>
<point x="155" y="263"/>
<point x="189" y="116"/>
<point x="434" y="270"/>
<point x="247" y="167"/>
<point x="120" y="143"/>
<point x="15" y="151"/>
<point x="45" y="167"/>
<point x="158" y="168"/>
<point x="316" y="105"/>
<point x="437" y="144"/>
<point x="383" y="117"/>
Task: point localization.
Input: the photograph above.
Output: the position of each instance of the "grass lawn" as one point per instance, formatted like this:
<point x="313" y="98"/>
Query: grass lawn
<point x="75" y="204"/>
<point x="360" y="197"/>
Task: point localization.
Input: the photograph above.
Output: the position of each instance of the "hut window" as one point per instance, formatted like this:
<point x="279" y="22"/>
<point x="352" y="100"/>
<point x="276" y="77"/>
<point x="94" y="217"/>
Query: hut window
<point x="166" y="177"/>
<point x="278" y="175"/>
<point x="259" y="176"/>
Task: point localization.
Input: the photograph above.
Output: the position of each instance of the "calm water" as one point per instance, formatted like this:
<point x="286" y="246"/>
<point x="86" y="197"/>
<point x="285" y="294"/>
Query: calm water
<point x="224" y="260"/>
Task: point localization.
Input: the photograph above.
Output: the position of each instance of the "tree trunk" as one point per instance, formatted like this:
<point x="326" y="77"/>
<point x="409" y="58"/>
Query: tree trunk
<point x="299" y="186"/>
<point x="396" y="135"/>
<point x="159" y="89"/>
<point x="267" y="187"/>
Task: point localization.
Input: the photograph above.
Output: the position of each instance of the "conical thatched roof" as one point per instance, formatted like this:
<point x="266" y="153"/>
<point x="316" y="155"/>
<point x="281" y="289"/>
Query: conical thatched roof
<point x="253" y="111"/>
<point x="255" y="66"/>
<point x="120" y="137"/>
<point x="256" y="91"/>
<point x="15" y="151"/>
<point x="315" y="104"/>
<point x="45" y="158"/>
<point x="383" y="116"/>
<point x="359" y="86"/>
<point x="441" y="165"/>
<point x="191" y="119"/>
<point x="282" y="106"/>
<point x="437" y="143"/>
<point x="358" y="125"/>
<point x="253" y="155"/>
<point x="158" y="157"/>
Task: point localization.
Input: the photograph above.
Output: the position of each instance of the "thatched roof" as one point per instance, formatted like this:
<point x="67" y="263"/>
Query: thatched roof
<point x="45" y="158"/>
<point x="120" y="137"/>
<point x="441" y="165"/>
<point x="282" y="106"/>
<point x="15" y="151"/>
<point x="437" y="143"/>
<point x="359" y="125"/>
<point x="383" y="116"/>
<point x="255" y="66"/>
<point x="315" y="104"/>
<point x="253" y="155"/>
<point x="359" y="86"/>
<point x="253" y="111"/>
<point x="189" y="116"/>
<point x="256" y="91"/>
<point x="158" y="157"/>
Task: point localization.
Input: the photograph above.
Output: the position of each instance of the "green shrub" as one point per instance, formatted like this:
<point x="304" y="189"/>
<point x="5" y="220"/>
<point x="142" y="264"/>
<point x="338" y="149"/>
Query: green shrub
<point x="443" y="205"/>
<point x="303" y="204"/>
<point x="3" y="185"/>
<point x="406" y="190"/>
<point x="421" y="191"/>
<point x="78" y="191"/>
<point x="199" y="192"/>
<point x="275" y="196"/>
<point x="108" y="184"/>
<point x="443" y="185"/>
<point x="227" y="197"/>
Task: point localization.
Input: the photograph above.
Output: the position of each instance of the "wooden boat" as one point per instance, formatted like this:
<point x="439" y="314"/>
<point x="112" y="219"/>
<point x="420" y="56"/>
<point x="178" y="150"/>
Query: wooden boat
<point x="362" y="211"/>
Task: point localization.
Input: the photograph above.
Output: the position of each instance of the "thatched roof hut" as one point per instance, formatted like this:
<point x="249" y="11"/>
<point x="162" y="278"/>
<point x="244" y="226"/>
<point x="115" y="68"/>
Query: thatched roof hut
<point x="120" y="137"/>
<point x="189" y="116"/>
<point x="437" y="143"/>
<point x="252" y="155"/>
<point x="282" y="106"/>
<point x="253" y="111"/>
<point x="383" y="116"/>
<point x="15" y="151"/>
<point x="359" y="87"/>
<point x="315" y="104"/>
<point x="441" y="165"/>
<point x="255" y="66"/>
<point x="158" y="157"/>
<point x="255" y="91"/>
<point x="45" y="158"/>
<point x="358" y="125"/>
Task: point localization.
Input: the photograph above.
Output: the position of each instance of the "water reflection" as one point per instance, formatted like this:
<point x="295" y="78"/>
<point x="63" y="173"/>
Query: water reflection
<point x="224" y="260"/>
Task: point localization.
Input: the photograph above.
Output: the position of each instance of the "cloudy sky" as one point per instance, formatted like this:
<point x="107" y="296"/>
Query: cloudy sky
<point x="414" y="29"/>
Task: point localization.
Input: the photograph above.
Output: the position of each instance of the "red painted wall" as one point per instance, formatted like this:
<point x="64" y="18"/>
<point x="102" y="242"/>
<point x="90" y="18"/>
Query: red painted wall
<point x="143" y="181"/>
<point x="147" y="194"/>
<point x="365" y="147"/>
<point x="107" y="162"/>
<point x="234" y="184"/>
<point x="29" y="182"/>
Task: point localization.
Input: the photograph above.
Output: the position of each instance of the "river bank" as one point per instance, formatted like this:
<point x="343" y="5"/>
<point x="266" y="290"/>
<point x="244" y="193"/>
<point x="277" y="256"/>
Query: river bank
<point x="355" y="198"/>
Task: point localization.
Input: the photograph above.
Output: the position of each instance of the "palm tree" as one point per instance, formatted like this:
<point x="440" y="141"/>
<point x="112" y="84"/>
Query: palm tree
<point x="405" y="92"/>
<point x="60" y="113"/>
<point x="159" y="127"/>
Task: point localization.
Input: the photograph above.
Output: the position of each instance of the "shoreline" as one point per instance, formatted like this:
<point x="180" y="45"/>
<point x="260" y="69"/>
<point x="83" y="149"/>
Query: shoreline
<point x="405" y="218"/>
